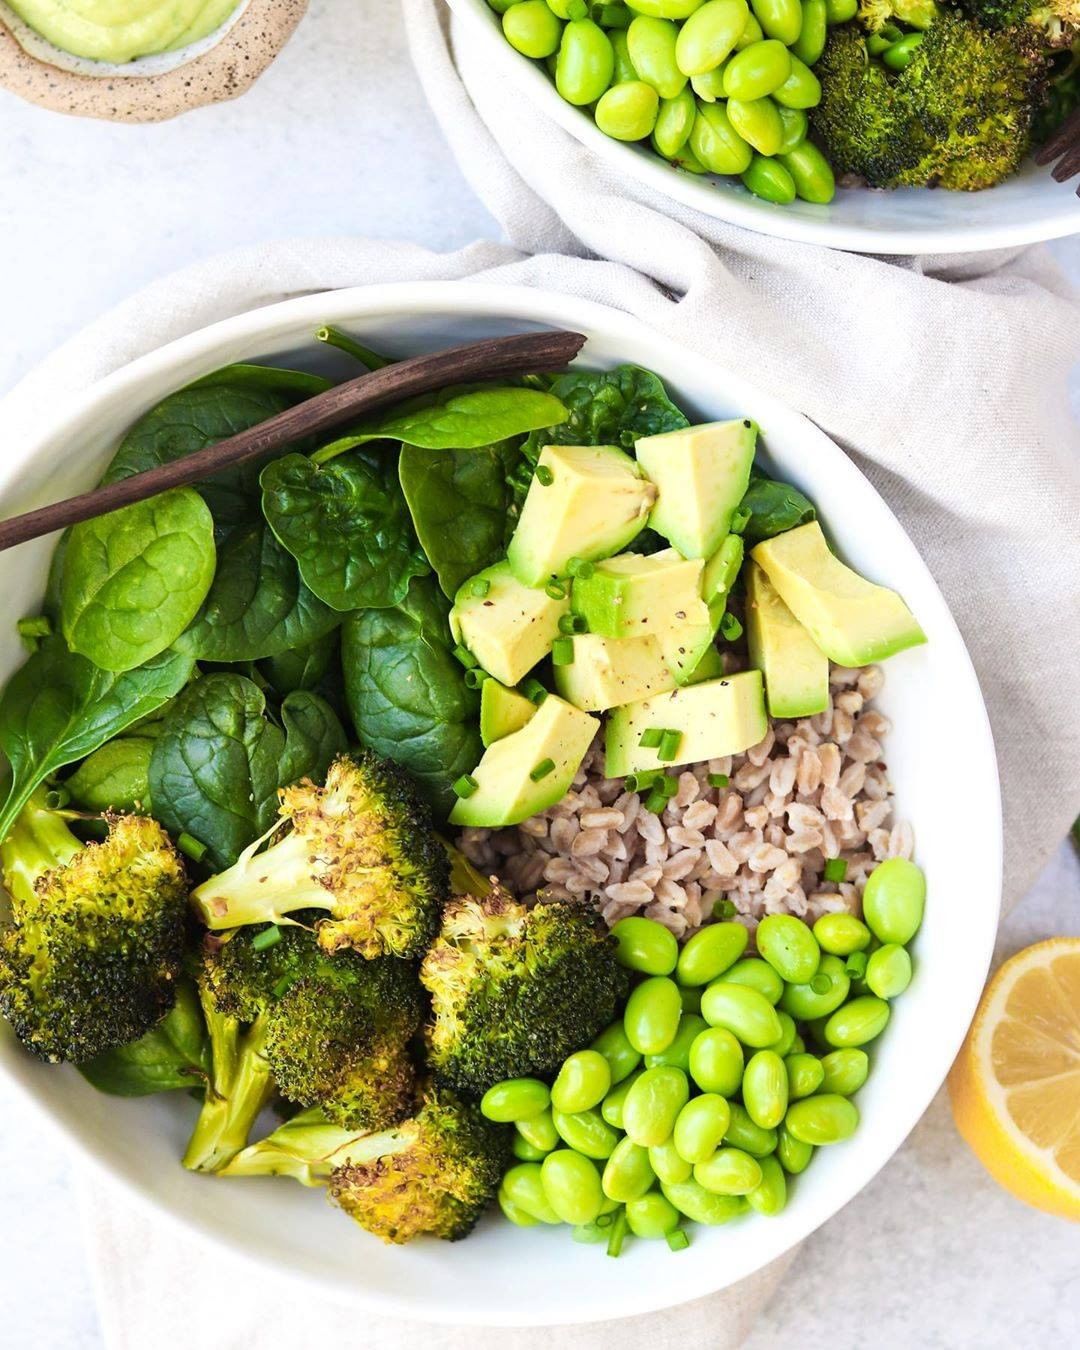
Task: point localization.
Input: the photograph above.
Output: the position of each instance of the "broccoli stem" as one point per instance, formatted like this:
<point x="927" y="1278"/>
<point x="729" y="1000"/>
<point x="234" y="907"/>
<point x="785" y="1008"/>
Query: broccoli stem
<point x="262" y="887"/>
<point x="39" y="841"/>
<point x="240" y="1086"/>
<point x="305" y="1148"/>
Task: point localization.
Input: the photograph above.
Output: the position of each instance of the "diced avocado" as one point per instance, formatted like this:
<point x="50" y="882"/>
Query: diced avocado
<point x="710" y="667"/>
<point x="508" y="627"/>
<point x="852" y="620"/>
<point x="502" y="711"/>
<point x="636" y="594"/>
<point x="796" y="671"/>
<point x="585" y="501"/>
<point x="606" y="672"/>
<point x="715" y="718"/>
<point x="529" y="770"/>
<point x="701" y="474"/>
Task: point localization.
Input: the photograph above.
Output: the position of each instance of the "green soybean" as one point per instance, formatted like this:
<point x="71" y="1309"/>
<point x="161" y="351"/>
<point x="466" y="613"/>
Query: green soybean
<point x="518" y="1216"/>
<point x="652" y="1014"/>
<point x="841" y="934"/>
<point x="805" y="1001"/>
<point x="665" y="9"/>
<point x="781" y="19"/>
<point x="756" y="974"/>
<point x="716" y="143"/>
<point x="501" y="6"/>
<point x="700" y="1127"/>
<point x="709" y="35"/>
<point x="716" y="1061"/>
<point x="900" y="54"/>
<point x="729" y="1171"/>
<point x="627" y="112"/>
<point x="788" y="1033"/>
<point x="746" y="1013"/>
<point x="765" y="1089"/>
<point x="888" y="972"/>
<point x="621" y="1056"/>
<point x="743" y="1133"/>
<point x="757" y="70"/>
<point x="798" y="1046"/>
<point x="702" y="1206"/>
<point x="651" y="44"/>
<point x="590" y="1234"/>
<point x="669" y="1164"/>
<point x="643" y="944"/>
<point x="841" y="11"/>
<point x="532" y="29"/>
<point x="784" y="941"/>
<point x="585" y="64"/>
<point x="894" y="900"/>
<point x="857" y="1022"/>
<point x="523" y="1186"/>
<point x="758" y="123"/>
<point x="652" y="1216"/>
<point x="526" y="1152"/>
<point x="753" y="32"/>
<point x="572" y="1186"/>
<point x="539" y="1131"/>
<point x="587" y="1132"/>
<point x="814" y="32"/>
<point x="796" y="124"/>
<point x="709" y="87"/>
<point x="804" y="1074"/>
<point x="801" y="89"/>
<point x="689" y="163"/>
<point x="624" y="70"/>
<point x="611" y="1108"/>
<point x="710" y="952"/>
<point x="674" y="121"/>
<point x="794" y="1155"/>
<point x="515" y="1099"/>
<point x="678" y="1052"/>
<point x="769" y="1196"/>
<point x="813" y="175"/>
<point x="628" y="1173"/>
<point x="653" y="1104"/>
<point x="845" y="1071"/>
<point x="583" y="1081"/>
<point x="568" y="9"/>
<point x="824" y="1119"/>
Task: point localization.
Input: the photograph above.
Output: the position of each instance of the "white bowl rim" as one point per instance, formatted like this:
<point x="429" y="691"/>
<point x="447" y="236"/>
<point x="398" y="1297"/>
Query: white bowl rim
<point x="455" y="299"/>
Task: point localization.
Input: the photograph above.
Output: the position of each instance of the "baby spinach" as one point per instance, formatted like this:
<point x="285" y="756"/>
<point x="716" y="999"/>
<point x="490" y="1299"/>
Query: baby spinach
<point x="174" y="1054"/>
<point x="257" y="606"/>
<point x="462" y="506"/>
<point x="59" y="707"/>
<point x="347" y="526"/>
<point x="219" y="761"/>
<point x="300" y="667"/>
<point x="134" y="579"/>
<point x="406" y="691"/>
<point x="611" y="407"/>
<point x="116" y="777"/>
<point x="774" y="507"/>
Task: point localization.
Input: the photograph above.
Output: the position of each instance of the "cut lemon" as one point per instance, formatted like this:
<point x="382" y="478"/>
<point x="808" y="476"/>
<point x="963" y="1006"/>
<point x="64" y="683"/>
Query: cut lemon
<point x="1015" y="1086"/>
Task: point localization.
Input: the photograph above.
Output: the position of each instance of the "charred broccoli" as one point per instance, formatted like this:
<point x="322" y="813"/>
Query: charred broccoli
<point x="363" y="848"/>
<point x="433" y="1174"/>
<point x="1056" y="21"/>
<point x="515" y="990"/>
<point x="91" y="959"/>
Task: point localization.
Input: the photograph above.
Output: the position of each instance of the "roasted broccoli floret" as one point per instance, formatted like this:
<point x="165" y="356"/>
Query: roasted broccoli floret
<point x="91" y="959"/>
<point x="515" y="990"/>
<point x="362" y="848"/>
<point x="1056" y="21"/>
<point x="433" y="1174"/>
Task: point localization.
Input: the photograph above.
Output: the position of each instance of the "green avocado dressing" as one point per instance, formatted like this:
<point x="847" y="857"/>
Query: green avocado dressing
<point x="118" y="31"/>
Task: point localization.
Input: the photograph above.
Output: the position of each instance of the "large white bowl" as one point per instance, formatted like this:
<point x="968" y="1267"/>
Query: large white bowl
<point x="942" y="763"/>
<point x="1025" y="209"/>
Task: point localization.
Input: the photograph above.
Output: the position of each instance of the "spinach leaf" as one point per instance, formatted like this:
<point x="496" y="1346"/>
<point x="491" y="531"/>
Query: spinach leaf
<point x="774" y="507"/>
<point x="134" y="579"/>
<point x="59" y="707"/>
<point x="258" y="605"/>
<point x="300" y="667"/>
<point x="314" y="737"/>
<point x="462" y="506"/>
<point x="174" y="1054"/>
<point x="406" y="691"/>
<point x="347" y="526"/>
<point x="612" y="407"/>
<point x="116" y="777"/>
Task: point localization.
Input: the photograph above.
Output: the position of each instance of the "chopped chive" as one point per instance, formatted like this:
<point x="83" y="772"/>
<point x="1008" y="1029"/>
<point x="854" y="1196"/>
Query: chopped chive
<point x="269" y="937"/>
<point x="669" y="746"/>
<point x="542" y="770"/>
<point x="719" y="780"/>
<point x="475" y="677"/>
<point x="604" y="1220"/>
<point x="668" y="785"/>
<point x="855" y="965"/>
<point x="573" y="623"/>
<point x="835" y="869"/>
<point x="740" y="520"/>
<point x="651" y="738"/>
<point x="618" y="1234"/>
<point x="534" y="691"/>
<point x="678" y="1240"/>
<point x="656" y="801"/>
<point x="556" y="590"/>
<point x="821" y="984"/>
<point x="730" y="627"/>
<point x="544" y="476"/>
<point x="479" y="587"/>
<point x="283" y="984"/>
<point x="464" y="656"/>
<point x="562" y="652"/>
<point x="191" y="847"/>
<point x="724" y="909"/>
<point x="580" y="568"/>
<point x="644" y="780"/>
<point x="57" y="798"/>
<point x="466" y="785"/>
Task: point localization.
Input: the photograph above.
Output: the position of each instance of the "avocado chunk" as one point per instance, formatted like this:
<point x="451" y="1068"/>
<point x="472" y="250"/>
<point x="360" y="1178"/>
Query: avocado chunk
<point x="715" y="718"/>
<point x="852" y="620"/>
<point x="607" y="672"/>
<point x="585" y="501"/>
<point x="635" y="594"/>
<point x="701" y="474"/>
<point x="502" y="711"/>
<point x="529" y="770"/>
<point x="508" y="627"/>
<point x="796" y="671"/>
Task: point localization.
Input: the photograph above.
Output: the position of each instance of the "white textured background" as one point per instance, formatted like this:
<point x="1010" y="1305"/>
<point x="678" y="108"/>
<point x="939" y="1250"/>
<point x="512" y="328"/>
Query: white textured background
<point x="336" y="139"/>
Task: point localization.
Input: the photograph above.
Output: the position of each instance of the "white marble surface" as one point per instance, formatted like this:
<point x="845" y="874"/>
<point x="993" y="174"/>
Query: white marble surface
<point x="932" y="1254"/>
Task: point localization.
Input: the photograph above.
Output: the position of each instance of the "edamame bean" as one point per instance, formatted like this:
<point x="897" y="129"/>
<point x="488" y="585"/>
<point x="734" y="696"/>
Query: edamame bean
<point x="526" y="1152"/>
<point x="840" y="934"/>
<point x="532" y="29"/>
<point x="718" y="146"/>
<point x="569" y="9"/>
<point x="757" y="70"/>
<point x="814" y="32"/>
<point x="689" y="163"/>
<point x="590" y="1234"/>
<point x="757" y="974"/>
<point x="523" y="1187"/>
<point x="794" y="1154"/>
<point x="611" y="1108"/>
<point x="781" y="19"/>
<point x="644" y="944"/>
<point x="583" y="1081"/>
<point x="841" y="11"/>
<point x="678" y="1052"/>
<point x="743" y="1133"/>
<point x="765" y="1089"/>
<point x="894" y="900"/>
<point x="518" y="1216"/>
<point x="900" y="54"/>
<point x="669" y="1164"/>
<point x="621" y="1056"/>
<point x="824" y="1119"/>
<point x="888" y="972"/>
<point x="716" y="1061"/>
<point x="709" y="35"/>
<point x="804" y="1074"/>
<point x="758" y="123"/>
<point x="729" y="1171"/>
<point x="787" y="1035"/>
<point x="501" y="6"/>
<point x="845" y="1071"/>
<point x="587" y="1132"/>
<point x="709" y="86"/>
<point x="539" y="1131"/>
<point x="572" y="1186"/>
<point x="665" y="9"/>
<point x="784" y="941"/>
<point x="653" y="1104"/>
<point x="627" y="112"/>
<point x="652" y="1216"/>
<point x="628" y="1173"/>
<point x="515" y="1099"/>
<point x="674" y="121"/>
<point x="796" y="124"/>
<point x="586" y="62"/>
<point x="702" y="1206"/>
<point x="798" y="1046"/>
<point x="742" y="1010"/>
<point x="857" y="1022"/>
<point x="801" y="89"/>
<point x="700" y="1127"/>
<point x="710" y="952"/>
<point x="830" y="984"/>
<point x="753" y="32"/>
<point x="651" y="44"/>
<point x="653" y="1010"/>
<point x="624" y="67"/>
<point x="770" y="1195"/>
